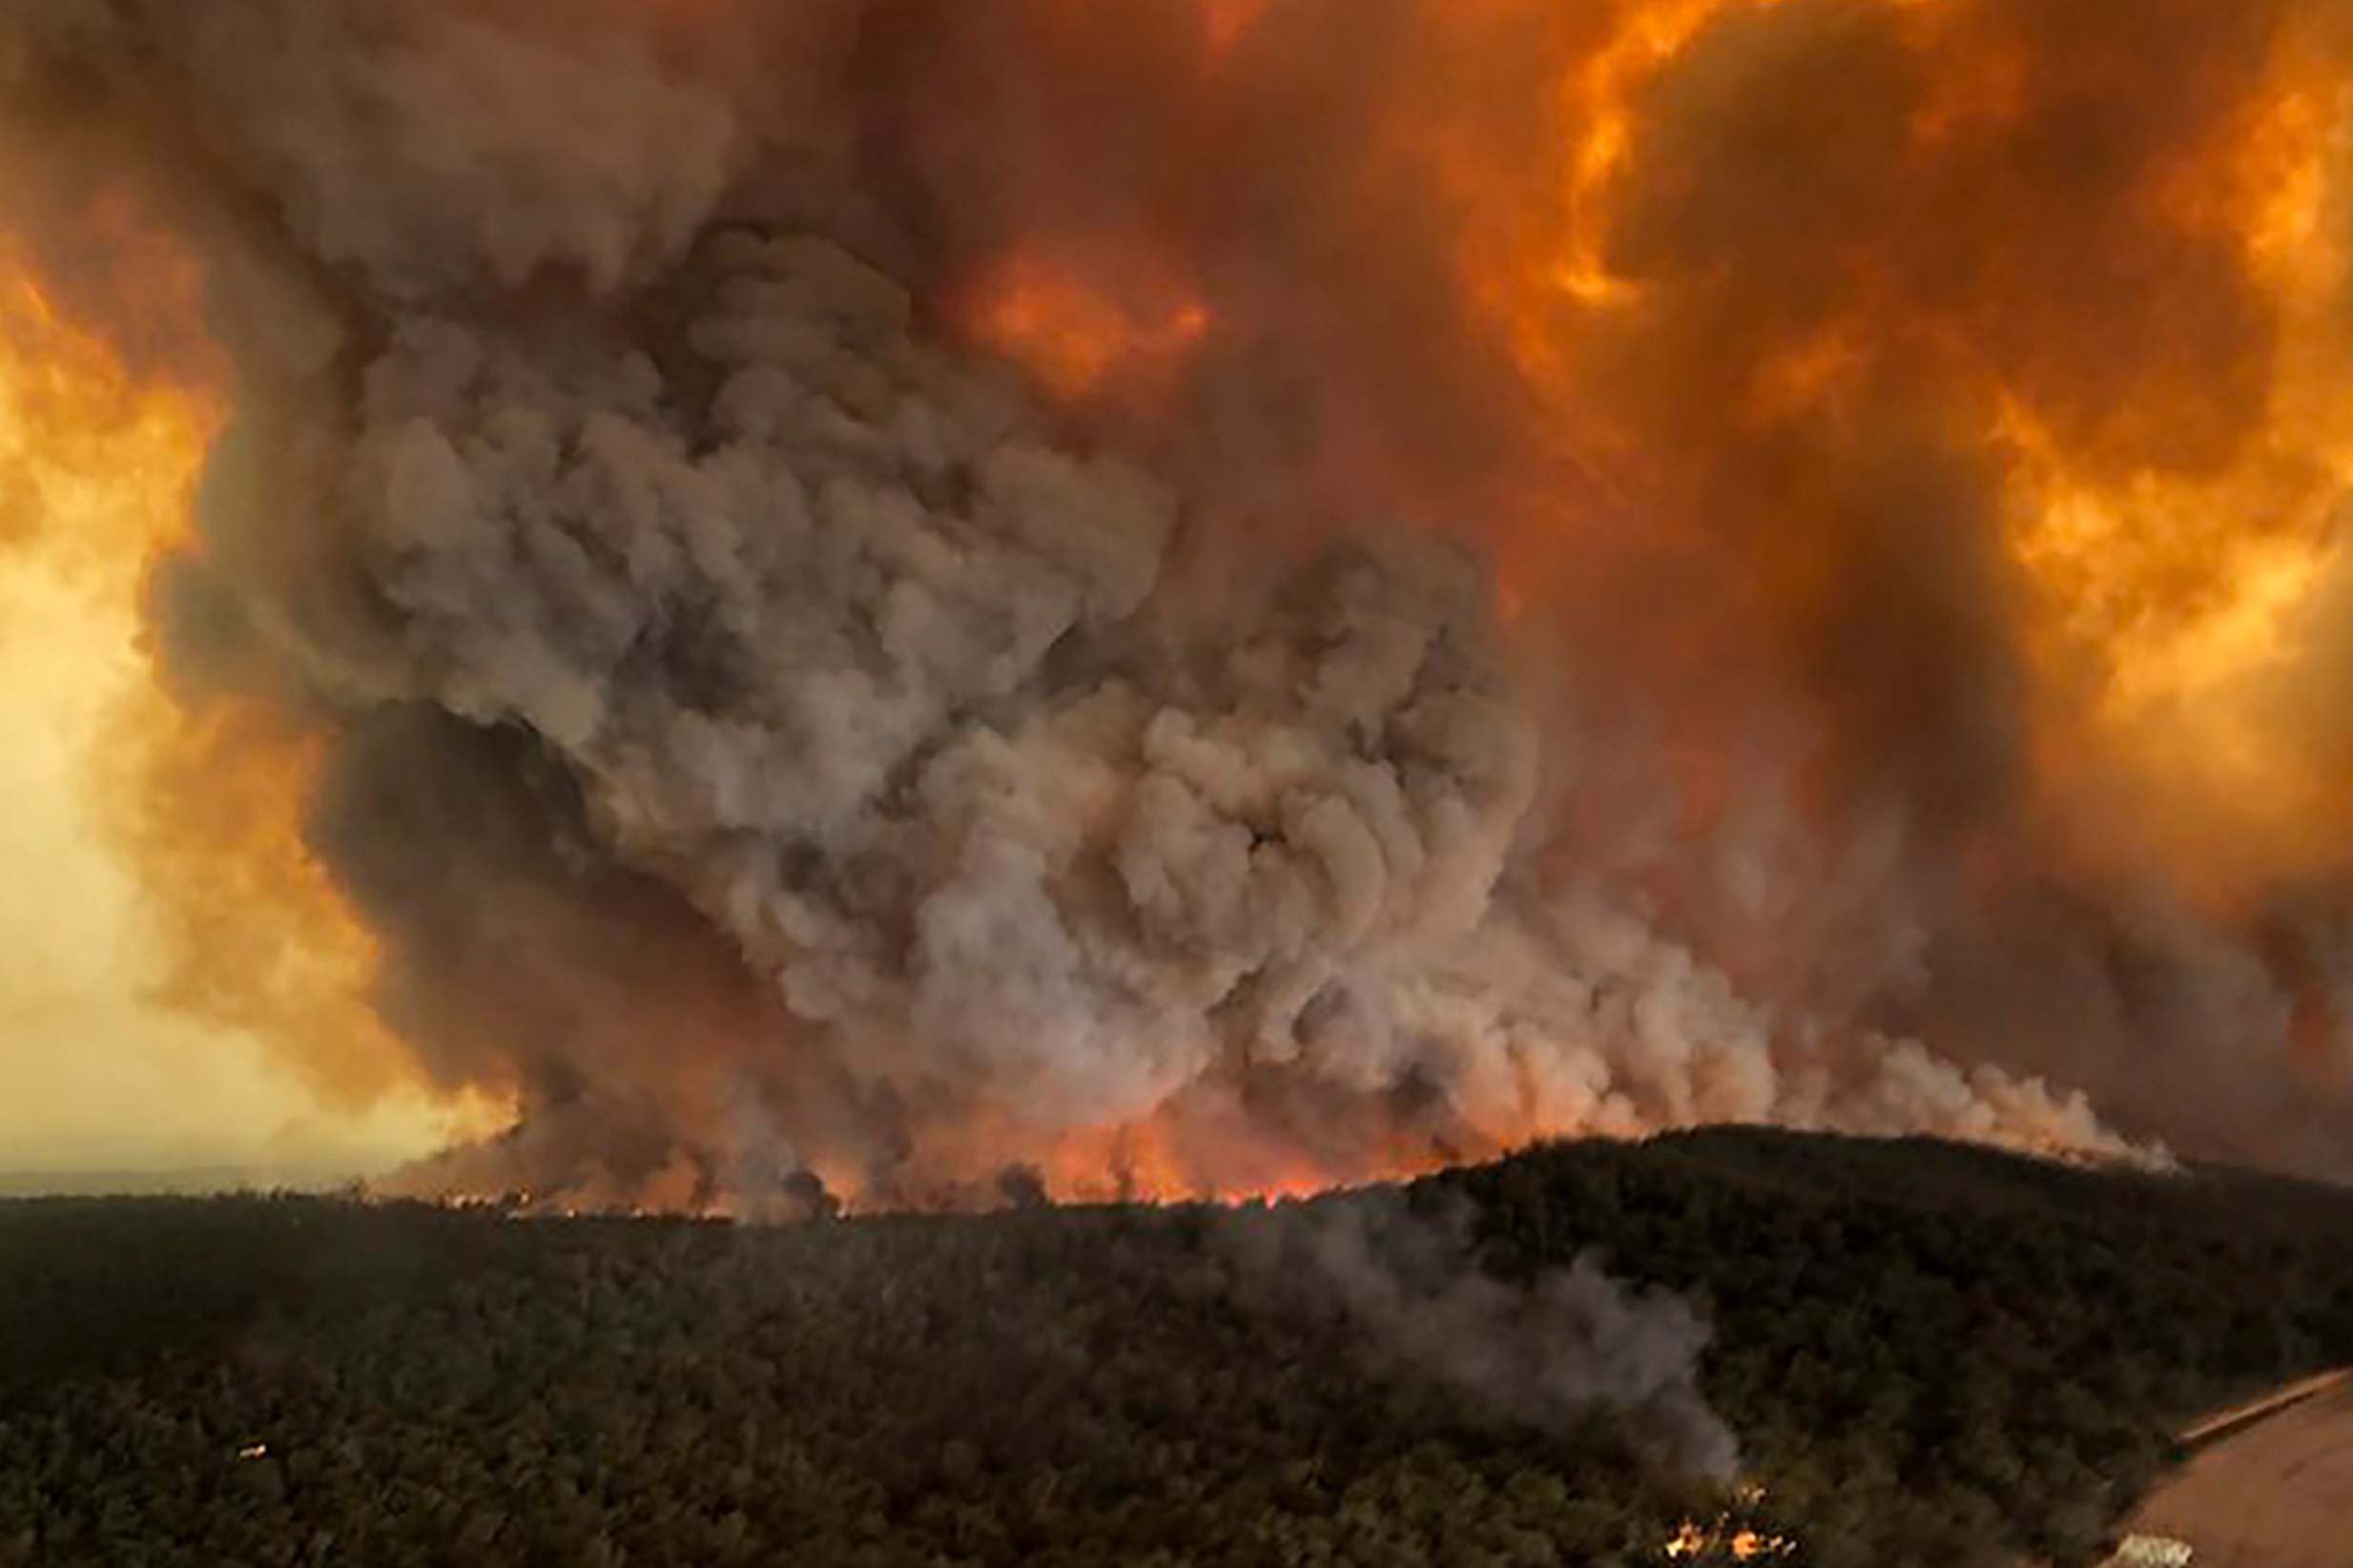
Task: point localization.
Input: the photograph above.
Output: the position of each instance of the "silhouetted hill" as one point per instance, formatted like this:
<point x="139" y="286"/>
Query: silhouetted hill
<point x="1926" y="1353"/>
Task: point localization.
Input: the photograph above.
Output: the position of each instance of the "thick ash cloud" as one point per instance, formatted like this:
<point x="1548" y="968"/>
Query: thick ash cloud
<point x="767" y="730"/>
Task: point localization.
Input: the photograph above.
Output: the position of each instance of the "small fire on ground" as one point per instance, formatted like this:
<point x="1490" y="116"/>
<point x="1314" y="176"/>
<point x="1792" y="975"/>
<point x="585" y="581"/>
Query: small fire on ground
<point x="1731" y="1538"/>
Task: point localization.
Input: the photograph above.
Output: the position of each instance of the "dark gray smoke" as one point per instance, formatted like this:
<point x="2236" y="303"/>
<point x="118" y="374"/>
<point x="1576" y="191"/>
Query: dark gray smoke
<point x="1551" y="1353"/>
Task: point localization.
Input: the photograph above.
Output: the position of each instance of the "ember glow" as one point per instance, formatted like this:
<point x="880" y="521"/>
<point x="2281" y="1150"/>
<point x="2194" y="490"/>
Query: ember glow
<point x="915" y="601"/>
<point x="1075" y="336"/>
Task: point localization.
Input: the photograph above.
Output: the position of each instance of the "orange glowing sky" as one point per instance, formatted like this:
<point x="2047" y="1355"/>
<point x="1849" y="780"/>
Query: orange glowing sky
<point x="98" y="1069"/>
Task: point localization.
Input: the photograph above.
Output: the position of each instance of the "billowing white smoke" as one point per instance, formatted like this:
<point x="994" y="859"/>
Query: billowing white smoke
<point x="563" y="428"/>
<point x="1579" y="1015"/>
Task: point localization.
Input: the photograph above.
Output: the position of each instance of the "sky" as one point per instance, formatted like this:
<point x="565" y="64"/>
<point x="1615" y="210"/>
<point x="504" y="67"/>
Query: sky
<point x="93" y="1075"/>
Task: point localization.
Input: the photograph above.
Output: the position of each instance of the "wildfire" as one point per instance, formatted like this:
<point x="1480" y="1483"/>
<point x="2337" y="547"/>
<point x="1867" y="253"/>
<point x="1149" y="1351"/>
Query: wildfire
<point x="1727" y="1539"/>
<point x="1200" y="1145"/>
<point x="1918" y="412"/>
<point x="1160" y="1159"/>
<point x="2176" y="572"/>
<point x="1075" y="335"/>
<point x="2192" y="597"/>
<point x="1599" y="99"/>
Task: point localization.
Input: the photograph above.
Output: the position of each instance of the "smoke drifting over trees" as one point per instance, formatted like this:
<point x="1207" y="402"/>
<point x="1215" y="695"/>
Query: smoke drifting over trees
<point x="894" y="589"/>
<point x="1544" y="1355"/>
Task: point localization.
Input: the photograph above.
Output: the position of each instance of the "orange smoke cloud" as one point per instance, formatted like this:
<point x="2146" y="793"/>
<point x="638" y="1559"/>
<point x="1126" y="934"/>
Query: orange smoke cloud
<point x="102" y="466"/>
<point x="1928" y="417"/>
<point x="207" y="803"/>
<point x="1075" y="335"/>
<point x="1777" y="225"/>
<point x="1227" y="22"/>
<point x="202" y="797"/>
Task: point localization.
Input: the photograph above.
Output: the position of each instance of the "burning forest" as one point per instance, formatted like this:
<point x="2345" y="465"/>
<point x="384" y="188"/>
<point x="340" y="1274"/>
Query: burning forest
<point x="891" y="601"/>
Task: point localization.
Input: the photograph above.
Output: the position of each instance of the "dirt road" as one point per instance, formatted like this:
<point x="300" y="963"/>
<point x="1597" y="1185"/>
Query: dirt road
<point x="2279" y="1495"/>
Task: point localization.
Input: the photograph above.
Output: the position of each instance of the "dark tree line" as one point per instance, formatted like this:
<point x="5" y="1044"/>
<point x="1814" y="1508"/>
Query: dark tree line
<point x="1928" y="1353"/>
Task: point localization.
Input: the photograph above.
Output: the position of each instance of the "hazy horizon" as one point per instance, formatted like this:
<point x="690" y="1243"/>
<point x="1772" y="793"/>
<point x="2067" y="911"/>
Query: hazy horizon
<point x="206" y="1181"/>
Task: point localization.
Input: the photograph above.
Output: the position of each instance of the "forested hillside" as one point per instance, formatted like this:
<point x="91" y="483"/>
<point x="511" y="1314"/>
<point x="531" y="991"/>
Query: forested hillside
<point x="1925" y="1354"/>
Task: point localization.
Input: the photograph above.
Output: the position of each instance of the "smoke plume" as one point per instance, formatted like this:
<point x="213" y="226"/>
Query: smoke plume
<point x="1548" y="1354"/>
<point x="1216" y="598"/>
